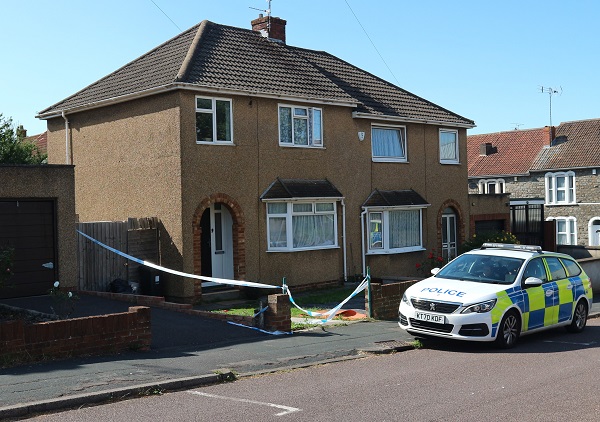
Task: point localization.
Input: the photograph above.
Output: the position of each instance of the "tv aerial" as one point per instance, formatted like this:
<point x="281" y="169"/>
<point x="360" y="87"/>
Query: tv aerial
<point x="551" y="91"/>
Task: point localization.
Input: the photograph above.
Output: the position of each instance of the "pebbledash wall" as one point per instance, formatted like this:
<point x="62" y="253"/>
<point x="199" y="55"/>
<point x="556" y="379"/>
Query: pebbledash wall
<point x="96" y="335"/>
<point x="150" y="164"/>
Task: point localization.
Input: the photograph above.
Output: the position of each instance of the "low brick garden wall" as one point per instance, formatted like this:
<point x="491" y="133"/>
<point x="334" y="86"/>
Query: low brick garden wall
<point x="386" y="299"/>
<point x="277" y="318"/>
<point x="94" y="335"/>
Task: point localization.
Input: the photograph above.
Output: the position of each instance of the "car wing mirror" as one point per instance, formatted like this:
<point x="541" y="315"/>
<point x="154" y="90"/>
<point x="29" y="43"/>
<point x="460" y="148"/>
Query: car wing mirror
<point x="434" y="271"/>
<point x="533" y="281"/>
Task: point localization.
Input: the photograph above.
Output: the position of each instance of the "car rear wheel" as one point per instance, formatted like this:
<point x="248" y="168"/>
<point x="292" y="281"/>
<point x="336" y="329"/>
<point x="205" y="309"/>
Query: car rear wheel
<point x="579" y="318"/>
<point x="508" y="330"/>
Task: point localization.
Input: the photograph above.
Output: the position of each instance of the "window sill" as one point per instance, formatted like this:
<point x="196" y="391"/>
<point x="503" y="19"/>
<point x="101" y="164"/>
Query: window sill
<point x="301" y="146"/>
<point x="566" y="204"/>
<point x="389" y="160"/>
<point x="303" y="249"/>
<point x="396" y="251"/>
<point x="455" y="163"/>
<point x="230" y="144"/>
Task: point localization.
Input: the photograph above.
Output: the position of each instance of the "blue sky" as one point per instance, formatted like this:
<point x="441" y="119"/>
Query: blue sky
<point x="483" y="60"/>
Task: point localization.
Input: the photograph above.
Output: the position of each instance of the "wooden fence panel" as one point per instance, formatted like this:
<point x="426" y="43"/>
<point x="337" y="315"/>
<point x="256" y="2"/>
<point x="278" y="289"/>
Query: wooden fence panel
<point x="97" y="265"/>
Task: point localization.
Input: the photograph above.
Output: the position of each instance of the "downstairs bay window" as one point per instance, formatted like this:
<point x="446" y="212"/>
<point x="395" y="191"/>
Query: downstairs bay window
<point x="395" y="230"/>
<point x="295" y="226"/>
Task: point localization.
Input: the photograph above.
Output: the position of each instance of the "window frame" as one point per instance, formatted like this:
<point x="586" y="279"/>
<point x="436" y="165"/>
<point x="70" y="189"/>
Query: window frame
<point x="483" y="186"/>
<point x="456" y="159"/>
<point x="570" y="226"/>
<point x="552" y="190"/>
<point x="289" y="223"/>
<point x="385" y="231"/>
<point x="213" y="112"/>
<point x="312" y="141"/>
<point x="403" y="145"/>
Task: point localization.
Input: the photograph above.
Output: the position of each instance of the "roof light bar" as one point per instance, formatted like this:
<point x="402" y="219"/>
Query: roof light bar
<point x="532" y="248"/>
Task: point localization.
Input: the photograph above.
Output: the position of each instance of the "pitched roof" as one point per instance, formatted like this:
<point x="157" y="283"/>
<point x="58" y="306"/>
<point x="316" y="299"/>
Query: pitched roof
<point x="394" y="198"/>
<point x="300" y="188"/>
<point x="576" y="144"/>
<point x="238" y="60"/>
<point x="40" y="140"/>
<point x="516" y="150"/>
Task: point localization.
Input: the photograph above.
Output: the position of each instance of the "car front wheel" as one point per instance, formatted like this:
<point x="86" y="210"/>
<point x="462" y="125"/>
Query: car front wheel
<point x="579" y="318"/>
<point x="508" y="330"/>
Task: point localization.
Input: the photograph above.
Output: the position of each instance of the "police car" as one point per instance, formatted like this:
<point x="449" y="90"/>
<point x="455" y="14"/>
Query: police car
<point x="498" y="293"/>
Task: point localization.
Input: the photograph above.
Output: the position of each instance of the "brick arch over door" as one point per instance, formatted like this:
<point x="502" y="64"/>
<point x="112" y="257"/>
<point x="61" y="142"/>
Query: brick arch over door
<point x="238" y="228"/>
<point x="460" y="223"/>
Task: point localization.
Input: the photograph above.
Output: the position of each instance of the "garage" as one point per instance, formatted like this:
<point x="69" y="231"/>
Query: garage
<point x="29" y="226"/>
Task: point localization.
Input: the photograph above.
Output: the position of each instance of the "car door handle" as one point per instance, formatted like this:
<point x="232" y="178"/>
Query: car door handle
<point x="569" y="286"/>
<point x="549" y="293"/>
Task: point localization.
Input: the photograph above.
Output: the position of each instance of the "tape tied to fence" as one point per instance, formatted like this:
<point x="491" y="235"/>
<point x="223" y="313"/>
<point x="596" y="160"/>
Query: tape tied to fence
<point x="330" y="314"/>
<point x="180" y="273"/>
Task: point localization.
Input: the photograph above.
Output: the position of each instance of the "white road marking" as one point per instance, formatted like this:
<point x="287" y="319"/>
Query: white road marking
<point x="286" y="409"/>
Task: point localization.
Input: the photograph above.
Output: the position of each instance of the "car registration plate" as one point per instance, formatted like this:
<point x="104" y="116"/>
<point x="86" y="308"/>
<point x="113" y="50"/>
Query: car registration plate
<point x="423" y="316"/>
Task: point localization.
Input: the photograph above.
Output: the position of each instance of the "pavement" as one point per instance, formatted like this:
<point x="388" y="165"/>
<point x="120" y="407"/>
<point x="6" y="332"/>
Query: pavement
<point x="187" y="351"/>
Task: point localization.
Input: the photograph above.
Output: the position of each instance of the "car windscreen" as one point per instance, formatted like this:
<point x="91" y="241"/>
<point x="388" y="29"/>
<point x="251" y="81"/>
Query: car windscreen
<point x="482" y="268"/>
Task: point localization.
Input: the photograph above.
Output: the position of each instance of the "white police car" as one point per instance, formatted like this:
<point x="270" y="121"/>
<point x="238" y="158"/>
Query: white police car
<point x="498" y="293"/>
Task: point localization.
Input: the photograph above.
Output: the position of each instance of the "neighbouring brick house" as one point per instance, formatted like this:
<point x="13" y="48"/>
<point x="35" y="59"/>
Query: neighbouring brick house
<point x="265" y="161"/>
<point x="553" y="166"/>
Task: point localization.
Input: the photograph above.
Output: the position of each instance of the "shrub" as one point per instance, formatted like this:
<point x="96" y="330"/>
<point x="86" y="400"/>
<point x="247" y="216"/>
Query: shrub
<point x="495" y="237"/>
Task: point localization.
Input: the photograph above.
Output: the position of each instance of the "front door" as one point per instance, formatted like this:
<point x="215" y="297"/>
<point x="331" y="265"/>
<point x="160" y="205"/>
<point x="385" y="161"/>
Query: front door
<point x="448" y="235"/>
<point x="217" y="243"/>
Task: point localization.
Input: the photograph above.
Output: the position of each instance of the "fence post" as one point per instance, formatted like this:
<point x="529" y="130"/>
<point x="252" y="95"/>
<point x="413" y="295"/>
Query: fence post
<point x="369" y="294"/>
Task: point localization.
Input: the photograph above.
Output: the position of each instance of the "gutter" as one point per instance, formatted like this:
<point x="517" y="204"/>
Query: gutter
<point x="197" y="88"/>
<point x="359" y="115"/>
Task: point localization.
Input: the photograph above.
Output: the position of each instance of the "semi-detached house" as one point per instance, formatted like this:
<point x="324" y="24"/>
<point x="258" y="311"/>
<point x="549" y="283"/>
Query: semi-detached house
<point x="265" y="161"/>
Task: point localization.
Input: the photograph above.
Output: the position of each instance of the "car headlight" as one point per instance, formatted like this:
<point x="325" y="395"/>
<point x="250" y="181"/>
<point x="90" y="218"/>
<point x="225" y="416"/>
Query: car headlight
<point x="405" y="299"/>
<point x="480" y="308"/>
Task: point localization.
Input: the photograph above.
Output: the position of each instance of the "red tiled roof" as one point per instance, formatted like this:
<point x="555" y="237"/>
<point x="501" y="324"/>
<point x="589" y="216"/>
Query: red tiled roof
<point x="576" y="144"/>
<point x="516" y="151"/>
<point x="40" y="140"/>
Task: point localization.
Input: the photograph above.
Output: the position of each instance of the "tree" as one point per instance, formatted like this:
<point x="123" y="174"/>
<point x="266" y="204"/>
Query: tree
<point x="13" y="147"/>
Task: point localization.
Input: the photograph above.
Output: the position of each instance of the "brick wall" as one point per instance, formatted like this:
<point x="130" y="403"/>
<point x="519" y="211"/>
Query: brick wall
<point x="94" y="335"/>
<point x="386" y="298"/>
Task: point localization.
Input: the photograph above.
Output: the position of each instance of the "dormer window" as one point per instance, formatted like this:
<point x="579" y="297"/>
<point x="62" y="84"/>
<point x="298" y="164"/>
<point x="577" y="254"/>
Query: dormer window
<point x="300" y="126"/>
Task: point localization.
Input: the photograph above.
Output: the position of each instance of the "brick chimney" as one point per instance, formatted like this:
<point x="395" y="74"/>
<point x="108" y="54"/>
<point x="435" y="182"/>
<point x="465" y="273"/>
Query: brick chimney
<point x="551" y="132"/>
<point x="273" y="27"/>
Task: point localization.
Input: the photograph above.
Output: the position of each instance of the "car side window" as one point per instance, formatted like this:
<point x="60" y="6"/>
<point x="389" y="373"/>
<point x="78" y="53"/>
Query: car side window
<point x="557" y="271"/>
<point x="535" y="268"/>
<point x="572" y="268"/>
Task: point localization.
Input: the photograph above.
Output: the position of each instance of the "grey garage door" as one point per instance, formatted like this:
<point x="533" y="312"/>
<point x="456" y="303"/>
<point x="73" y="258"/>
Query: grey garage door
<point x="29" y="226"/>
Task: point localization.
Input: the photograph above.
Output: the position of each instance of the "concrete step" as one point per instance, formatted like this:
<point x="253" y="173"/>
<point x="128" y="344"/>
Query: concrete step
<point x="219" y="295"/>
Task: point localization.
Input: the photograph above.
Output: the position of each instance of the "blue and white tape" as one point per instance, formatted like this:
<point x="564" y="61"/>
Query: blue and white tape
<point x="273" y="333"/>
<point x="179" y="273"/>
<point x="330" y="314"/>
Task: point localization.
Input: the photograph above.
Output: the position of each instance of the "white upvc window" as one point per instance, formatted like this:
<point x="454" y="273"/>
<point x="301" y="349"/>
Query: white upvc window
<point x="214" y="120"/>
<point x="566" y="230"/>
<point x="300" y="126"/>
<point x="395" y="230"/>
<point x="388" y="143"/>
<point x="560" y="188"/>
<point x="491" y="186"/>
<point x="297" y="226"/>
<point x="449" y="146"/>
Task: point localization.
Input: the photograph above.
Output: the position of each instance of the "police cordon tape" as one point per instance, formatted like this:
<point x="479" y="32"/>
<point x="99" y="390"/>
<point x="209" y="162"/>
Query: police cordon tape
<point x="330" y="314"/>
